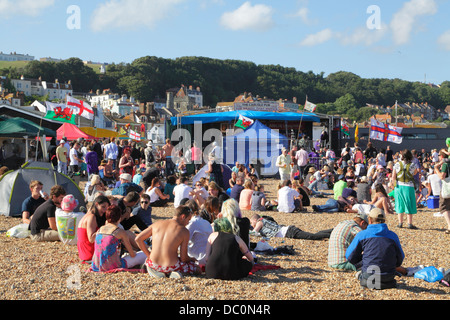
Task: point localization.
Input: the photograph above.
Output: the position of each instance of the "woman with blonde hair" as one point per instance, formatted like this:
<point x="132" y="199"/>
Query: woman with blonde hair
<point x="94" y="186"/>
<point x="245" y="198"/>
<point x="230" y="220"/>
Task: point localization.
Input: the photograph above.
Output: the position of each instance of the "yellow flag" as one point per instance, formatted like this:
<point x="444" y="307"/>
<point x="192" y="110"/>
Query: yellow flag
<point x="356" y="133"/>
<point x="122" y="131"/>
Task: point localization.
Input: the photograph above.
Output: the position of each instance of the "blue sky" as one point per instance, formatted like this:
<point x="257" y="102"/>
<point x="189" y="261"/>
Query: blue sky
<point x="406" y="39"/>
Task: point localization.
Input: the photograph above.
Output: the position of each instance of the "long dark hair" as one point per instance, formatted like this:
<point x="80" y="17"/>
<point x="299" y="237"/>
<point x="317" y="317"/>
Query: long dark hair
<point x="379" y="188"/>
<point x="407" y="156"/>
<point x="101" y="199"/>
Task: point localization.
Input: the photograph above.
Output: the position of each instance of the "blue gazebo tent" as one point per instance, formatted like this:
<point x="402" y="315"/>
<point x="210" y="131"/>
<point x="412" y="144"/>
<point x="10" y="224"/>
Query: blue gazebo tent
<point x="258" y="145"/>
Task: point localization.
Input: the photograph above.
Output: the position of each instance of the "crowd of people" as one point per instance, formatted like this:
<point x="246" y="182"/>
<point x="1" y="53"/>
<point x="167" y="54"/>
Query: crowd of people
<point x="208" y="231"/>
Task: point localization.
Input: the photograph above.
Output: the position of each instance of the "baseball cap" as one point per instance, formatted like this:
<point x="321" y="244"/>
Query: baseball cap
<point x="363" y="216"/>
<point x="125" y="176"/>
<point x="377" y="213"/>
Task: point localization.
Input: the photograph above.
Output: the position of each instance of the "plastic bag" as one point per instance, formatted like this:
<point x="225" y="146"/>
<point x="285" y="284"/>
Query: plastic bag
<point x="429" y="274"/>
<point x="20" y="231"/>
<point x="67" y="226"/>
<point x="263" y="246"/>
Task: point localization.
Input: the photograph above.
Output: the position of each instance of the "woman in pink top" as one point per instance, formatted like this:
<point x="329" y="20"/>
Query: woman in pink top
<point x="196" y="156"/>
<point x="88" y="226"/>
<point x="246" y="196"/>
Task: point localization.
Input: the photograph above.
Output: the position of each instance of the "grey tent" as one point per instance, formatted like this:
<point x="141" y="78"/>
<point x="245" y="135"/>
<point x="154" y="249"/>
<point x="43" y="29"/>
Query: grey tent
<point x="14" y="186"/>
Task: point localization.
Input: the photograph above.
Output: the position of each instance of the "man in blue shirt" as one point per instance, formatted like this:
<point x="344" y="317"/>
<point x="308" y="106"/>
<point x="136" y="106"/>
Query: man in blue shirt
<point x="30" y="204"/>
<point x="126" y="186"/>
<point x="380" y="252"/>
<point x="111" y="152"/>
<point x="237" y="188"/>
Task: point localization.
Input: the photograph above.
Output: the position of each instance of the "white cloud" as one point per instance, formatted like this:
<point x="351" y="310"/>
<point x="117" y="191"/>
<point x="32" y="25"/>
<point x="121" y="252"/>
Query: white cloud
<point x="318" y="38"/>
<point x="303" y="14"/>
<point x="248" y="17"/>
<point x="128" y="14"/>
<point x="404" y="21"/>
<point x="23" y="7"/>
<point x="363" y="36"/>
<point x="444" y="40"/>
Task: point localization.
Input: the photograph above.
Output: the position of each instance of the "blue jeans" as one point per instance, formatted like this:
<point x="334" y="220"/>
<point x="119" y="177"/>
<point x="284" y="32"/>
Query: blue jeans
<point x="330" y="206"/>
<point x="314" y="186"/>
<point x="62" y="167"/>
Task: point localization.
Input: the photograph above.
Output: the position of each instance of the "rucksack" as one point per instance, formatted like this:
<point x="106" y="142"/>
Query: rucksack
<point x="404" y="175"/>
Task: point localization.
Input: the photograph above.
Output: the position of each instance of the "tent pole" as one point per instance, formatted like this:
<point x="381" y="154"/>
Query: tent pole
<point x="26" y="148"/>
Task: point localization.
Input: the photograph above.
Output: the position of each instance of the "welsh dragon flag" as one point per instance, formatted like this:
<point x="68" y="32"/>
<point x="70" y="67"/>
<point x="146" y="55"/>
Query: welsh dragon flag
<point x="83" y="108"/>
<point x="244" y="122"/>
<point x="344" y="128"/>
<point x="60" y="112"/>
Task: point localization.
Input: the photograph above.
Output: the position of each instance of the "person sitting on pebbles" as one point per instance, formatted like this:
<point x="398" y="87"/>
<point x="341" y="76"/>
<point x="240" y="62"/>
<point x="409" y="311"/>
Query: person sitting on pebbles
<point x="169" y="237"/>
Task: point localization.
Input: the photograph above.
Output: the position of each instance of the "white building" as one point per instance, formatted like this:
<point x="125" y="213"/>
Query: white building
<point x="114" y="103"/>
<point x="197" y="95"/>
<point x="15" y="57"/>
<point x="38" y="87"/>
<point x="57" y="90"/>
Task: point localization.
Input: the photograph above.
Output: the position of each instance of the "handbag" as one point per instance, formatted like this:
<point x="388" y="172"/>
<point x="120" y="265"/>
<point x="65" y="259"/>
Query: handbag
<point x="445" y="189"/>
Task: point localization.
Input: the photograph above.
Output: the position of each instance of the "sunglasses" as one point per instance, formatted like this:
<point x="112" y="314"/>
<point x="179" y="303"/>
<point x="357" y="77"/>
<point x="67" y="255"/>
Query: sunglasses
<point x="144" y="202"/>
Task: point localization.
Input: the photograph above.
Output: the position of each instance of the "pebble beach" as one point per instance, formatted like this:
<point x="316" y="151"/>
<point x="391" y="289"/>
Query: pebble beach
<point x="52" y="270"/>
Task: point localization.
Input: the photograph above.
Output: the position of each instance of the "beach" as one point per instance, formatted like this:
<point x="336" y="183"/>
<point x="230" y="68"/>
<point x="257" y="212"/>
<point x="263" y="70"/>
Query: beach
<point x="52" y="271"/>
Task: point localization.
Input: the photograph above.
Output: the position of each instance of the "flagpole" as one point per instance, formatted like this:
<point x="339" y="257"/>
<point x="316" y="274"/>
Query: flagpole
<point x="301" y="119"/>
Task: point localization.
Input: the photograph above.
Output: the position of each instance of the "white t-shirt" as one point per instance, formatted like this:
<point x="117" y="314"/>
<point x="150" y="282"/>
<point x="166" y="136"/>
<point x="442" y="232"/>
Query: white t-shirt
<point x="180" y="192"/>
<point x="436" y="183"/>
<point x="199" y="231"/>
<point x="286" y="199"/>
<point x="73" y="153"/>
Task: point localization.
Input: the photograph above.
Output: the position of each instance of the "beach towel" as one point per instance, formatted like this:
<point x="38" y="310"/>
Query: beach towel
<point x="257" y="267"/>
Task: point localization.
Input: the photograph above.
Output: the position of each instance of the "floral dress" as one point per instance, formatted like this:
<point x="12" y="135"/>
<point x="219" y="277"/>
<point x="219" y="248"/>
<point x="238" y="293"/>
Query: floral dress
<point x="107" y="253"/>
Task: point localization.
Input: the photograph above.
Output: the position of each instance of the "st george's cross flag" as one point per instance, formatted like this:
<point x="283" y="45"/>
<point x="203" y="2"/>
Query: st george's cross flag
<point x="384" y="132"/>
<point x="60" y="112"/>
<point x="134" y="135"/>
<point x="83" y="108"/>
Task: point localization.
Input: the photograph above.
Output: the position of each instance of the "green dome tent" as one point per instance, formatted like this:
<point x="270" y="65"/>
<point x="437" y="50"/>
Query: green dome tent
<point x="14" y="186"/>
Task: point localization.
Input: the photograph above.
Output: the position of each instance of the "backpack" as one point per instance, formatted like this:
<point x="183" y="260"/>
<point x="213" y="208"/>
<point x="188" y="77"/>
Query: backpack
<point x="404" y="175"/>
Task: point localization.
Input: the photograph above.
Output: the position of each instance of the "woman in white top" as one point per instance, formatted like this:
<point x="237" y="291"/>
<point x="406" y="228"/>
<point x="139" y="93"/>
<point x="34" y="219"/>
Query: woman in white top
<point x="199" y="231"/>
<point x="157" y="197"/>
<point x="288" y="198"/>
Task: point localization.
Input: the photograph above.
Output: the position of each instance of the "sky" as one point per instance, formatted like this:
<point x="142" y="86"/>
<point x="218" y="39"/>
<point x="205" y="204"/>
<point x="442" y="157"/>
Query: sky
<point x="405" y="39"/>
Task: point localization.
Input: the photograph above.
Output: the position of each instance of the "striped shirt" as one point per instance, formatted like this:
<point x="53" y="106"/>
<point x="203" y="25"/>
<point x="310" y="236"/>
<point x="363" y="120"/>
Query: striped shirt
<point x="340" y="239"/>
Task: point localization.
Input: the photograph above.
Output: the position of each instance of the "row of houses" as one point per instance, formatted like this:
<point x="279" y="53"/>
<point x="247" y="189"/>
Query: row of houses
<point x="427" y="111"/>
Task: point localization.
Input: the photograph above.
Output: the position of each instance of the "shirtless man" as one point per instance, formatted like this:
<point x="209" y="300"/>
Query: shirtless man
<point x="167" y="237"/>
<point x="167" y="153"/>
